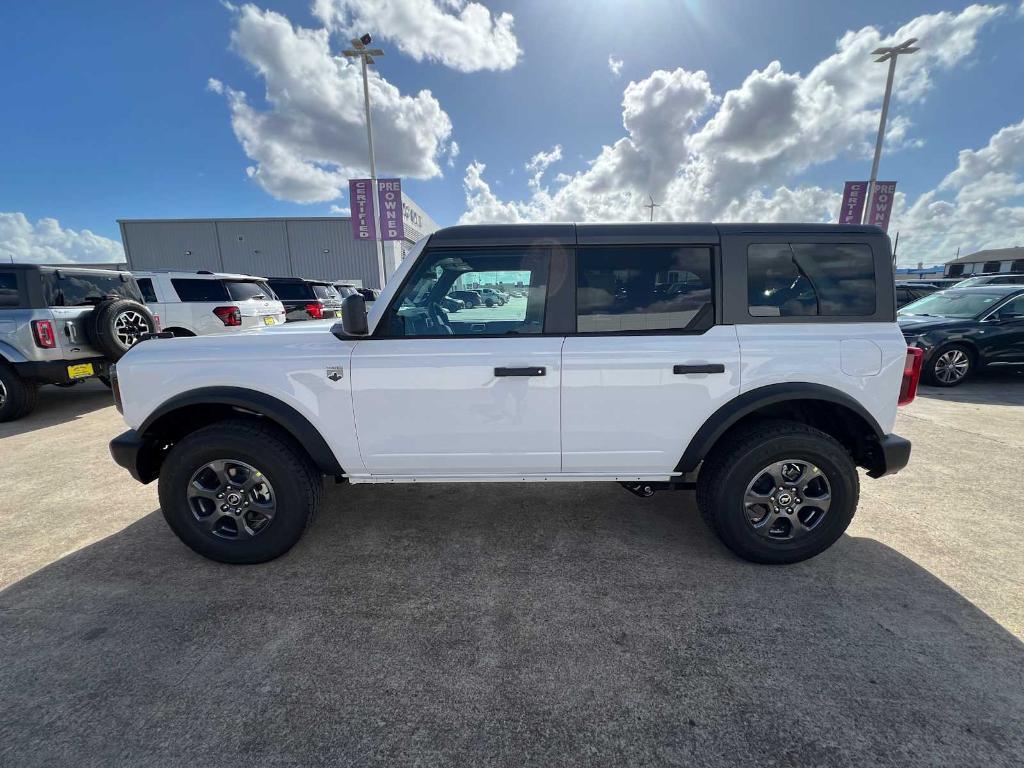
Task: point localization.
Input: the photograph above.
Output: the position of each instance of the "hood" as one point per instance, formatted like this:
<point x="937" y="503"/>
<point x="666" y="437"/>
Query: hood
<point x="925" y="323"/>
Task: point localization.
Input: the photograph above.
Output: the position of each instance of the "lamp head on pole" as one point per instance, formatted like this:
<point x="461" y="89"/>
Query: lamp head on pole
<point x="884" y="54"/>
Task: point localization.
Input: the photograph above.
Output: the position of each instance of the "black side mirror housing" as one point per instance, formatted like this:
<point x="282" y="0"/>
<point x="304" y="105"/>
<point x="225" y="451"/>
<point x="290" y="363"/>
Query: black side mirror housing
<point x="353" y="318"/>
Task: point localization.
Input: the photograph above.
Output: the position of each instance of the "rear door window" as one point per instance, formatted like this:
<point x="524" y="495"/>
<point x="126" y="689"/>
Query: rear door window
<point x="192" y="289"/>
<point x="9" y="296"/>
<point x="810" y="279"/>
<point x="146" y="286"/>
<point x="643" y="288"/>
<point x="247" y="290"/>
<point x="82" y="289"/>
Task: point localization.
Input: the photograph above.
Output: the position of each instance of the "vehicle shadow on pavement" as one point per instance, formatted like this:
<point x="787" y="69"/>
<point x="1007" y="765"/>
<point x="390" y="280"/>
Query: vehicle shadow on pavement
<point x="1003" y="385"/>
<point x="59" y="405"/>
<point x="500" y="625"/>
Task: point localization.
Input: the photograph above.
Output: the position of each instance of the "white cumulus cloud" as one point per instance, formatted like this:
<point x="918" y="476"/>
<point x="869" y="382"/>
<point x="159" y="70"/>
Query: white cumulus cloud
<point x="46" y="241"/>
<point x="458" y="34"/>
<point x="740" y="155"/>
<point x="312" y="137"/>
<point x="614" y="64"/>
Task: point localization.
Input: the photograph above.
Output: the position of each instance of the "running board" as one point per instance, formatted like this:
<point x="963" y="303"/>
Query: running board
<point x="562" y="477"/>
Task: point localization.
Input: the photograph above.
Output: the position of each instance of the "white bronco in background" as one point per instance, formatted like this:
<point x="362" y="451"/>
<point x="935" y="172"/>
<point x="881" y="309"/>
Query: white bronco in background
<point x="759" y="364"/>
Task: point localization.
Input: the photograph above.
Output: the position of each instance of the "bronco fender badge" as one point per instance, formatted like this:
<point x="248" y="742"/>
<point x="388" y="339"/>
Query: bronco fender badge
<point x="335" y="373"/>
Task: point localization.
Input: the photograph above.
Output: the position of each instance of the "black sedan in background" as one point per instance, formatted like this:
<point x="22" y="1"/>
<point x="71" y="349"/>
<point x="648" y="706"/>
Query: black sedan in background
<point x="963" y="329"/>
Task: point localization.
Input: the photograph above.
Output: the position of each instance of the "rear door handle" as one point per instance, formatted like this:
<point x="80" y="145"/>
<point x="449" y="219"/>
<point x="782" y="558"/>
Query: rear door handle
<point x="520" y="371"/>
<point x="701" y="368"/>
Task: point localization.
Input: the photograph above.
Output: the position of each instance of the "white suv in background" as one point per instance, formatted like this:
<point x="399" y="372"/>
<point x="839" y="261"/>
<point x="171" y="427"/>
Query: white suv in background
<point x="198" y="303"/>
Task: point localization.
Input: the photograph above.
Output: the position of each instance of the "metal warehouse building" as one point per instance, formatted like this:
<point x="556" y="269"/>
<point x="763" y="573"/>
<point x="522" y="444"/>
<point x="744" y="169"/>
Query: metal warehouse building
<point x="322" y="248"/>
<point x="995" y="260"/>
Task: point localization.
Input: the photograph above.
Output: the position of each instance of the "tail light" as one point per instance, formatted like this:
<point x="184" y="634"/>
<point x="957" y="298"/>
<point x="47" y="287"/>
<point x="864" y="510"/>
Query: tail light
<point x="911" y="375"/>
<point x="315" y="310"/>
<point x="231" y="316"/>
<point x="156" y="323"/>
<point x="43" y="331"/>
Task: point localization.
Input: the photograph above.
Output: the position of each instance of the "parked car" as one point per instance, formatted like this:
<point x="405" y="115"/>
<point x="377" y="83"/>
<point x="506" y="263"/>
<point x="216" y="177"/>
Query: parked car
<point x="60" y="325"/>
<point x="574" y="386"/>
<point x="306" y="299"/>
<point x="452" y="305"/>
<point x="472" y="299"/>
<point x="963" y="329"/>
<point x="369" y="294"/>
<point x="198" y="303"/>
<point x="906" y="293"/>
<point x="491" y="297"/>
<point x="995" y="278"/>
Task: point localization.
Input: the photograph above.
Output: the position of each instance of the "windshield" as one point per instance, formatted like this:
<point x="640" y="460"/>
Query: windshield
<point x="244" y="290"/>
<point x="953" y="304"/>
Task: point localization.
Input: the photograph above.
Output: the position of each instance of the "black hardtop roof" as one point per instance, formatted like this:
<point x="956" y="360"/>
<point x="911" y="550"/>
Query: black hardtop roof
<point x="310" y="280"/>
<point x="630" y="232"/>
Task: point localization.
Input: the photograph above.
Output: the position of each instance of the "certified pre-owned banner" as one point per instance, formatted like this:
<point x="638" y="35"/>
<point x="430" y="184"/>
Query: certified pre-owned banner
<point x="880" y="205"/>
<point x="852" y="209"/>
<point x="360" y="198"/>
<point x="389" y="197"/>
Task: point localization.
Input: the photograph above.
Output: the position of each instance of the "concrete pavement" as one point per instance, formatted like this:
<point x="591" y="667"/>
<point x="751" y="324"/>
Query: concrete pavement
<point x="515" y="625"/>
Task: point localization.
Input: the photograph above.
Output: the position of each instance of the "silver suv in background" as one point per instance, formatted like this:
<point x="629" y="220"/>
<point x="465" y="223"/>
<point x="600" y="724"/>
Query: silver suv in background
<point x="198" y="303"/>
<point x="61" y="325"/>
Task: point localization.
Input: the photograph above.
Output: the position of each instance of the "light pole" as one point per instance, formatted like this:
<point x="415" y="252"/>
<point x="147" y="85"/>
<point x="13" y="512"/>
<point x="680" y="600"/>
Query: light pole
<point x="890" y="55"/>
<point x="366" y="55"/>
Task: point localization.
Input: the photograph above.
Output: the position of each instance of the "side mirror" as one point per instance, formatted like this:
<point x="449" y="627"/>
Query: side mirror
<point x="353" y="318"/>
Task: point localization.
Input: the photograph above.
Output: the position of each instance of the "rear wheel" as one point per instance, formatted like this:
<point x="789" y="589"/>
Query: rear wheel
<point x="239" y="491"/>
<point x="949" y="366"/>
<point x="17" y="397"/>
<point x="778" y="492"/>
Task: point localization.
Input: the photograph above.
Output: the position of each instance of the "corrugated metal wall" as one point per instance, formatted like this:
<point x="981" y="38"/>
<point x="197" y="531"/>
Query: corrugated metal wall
<point x="254" y="247"/>
<point x="308" y="247"/>
<point x="185" y="245"/>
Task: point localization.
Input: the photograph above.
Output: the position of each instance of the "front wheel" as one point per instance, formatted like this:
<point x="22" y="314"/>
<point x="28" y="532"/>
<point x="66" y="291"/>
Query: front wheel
<point x="778" y="492"/>
<point x="239" y="491"/>
<point x="949" y="366"/>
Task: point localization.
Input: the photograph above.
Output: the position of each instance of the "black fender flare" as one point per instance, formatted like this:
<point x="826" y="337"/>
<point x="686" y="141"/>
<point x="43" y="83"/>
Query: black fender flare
<point x="749" y="402"/>
<point x="262" y="404"/>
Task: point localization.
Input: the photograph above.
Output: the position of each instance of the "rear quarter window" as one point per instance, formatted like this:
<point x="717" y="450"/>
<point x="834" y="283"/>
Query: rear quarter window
<point x="193" y="290"/>
<point x="9" y="296"/>
<point x="146" y="286"/>
<point x="810" y="279"/>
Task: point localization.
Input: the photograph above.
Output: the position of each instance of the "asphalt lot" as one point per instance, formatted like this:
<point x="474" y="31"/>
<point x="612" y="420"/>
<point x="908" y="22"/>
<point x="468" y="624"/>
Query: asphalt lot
<point x="515" y="625"/>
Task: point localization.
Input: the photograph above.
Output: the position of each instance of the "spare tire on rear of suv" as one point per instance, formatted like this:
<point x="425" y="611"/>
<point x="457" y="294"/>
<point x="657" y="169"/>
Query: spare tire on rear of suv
<point x="117" y="324"/>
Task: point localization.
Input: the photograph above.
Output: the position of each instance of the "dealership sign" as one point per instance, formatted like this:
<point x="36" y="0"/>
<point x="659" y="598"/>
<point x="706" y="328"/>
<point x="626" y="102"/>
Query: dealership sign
<point x="880" y="205"/>
<point x="852" y="209"/>
<point x="360" y="197"/>
<point x="389" y="196"/>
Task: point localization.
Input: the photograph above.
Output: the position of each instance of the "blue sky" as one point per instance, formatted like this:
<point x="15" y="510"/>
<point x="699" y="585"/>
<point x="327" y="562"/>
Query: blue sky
<point x="109" y="113"/>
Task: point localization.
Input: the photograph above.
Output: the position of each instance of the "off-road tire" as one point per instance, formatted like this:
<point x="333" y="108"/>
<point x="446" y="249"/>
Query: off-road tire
<point x="101" y="325"/>
<point x="732" y="464"/>
<point x="19" y="396"/>
<point x="297" y="485"/>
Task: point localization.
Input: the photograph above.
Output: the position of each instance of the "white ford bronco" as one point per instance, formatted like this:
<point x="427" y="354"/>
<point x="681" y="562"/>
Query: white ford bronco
<point x="758" y="364"/>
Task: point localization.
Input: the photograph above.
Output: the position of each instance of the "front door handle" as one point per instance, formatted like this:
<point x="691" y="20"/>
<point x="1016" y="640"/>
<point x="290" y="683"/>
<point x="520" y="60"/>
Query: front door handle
<point x="520" y="371"/>
<point x="701" y="368"/>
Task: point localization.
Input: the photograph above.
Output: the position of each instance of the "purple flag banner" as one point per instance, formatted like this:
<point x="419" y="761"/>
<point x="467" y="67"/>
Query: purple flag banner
<point x="852" y="209"/>
<point x="360" y="200"/>
<point x="881" y="204"/>
<point x="389" y="196"/>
